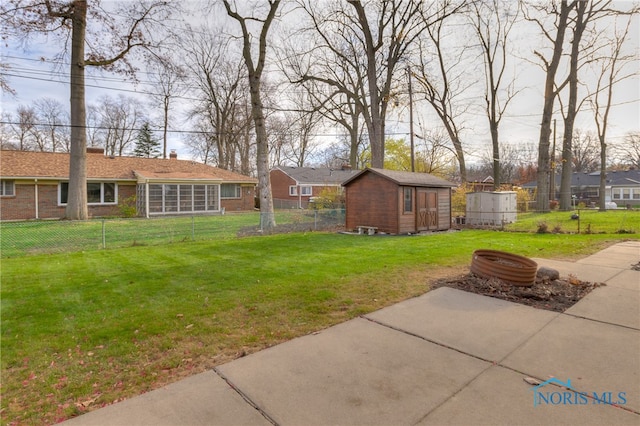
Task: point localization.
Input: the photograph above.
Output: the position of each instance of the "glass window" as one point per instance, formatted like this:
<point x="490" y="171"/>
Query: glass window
<point x="616" y="194"/>
<point x="212" y="197"/>
<point x="306" y="190"/>
<point x="199" y="198"/>
<point x="186" y="198"/>
<point x="626" y="193"/>
<point x="293" y="190"/>
<point x="170" y="198"/>
<point x="109" y="192"/>
<point x="156" y="201"/>
<point x="408" y="200"/>
<point x="97" y="192"/>
<point x="230" y="190"/>
<point x="94" y="191"/>
<point x="7" y="188"/>
<point x="636" y="194"/>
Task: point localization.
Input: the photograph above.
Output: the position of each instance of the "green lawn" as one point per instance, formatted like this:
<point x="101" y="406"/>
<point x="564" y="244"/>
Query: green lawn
<point x="82" y="330"/>
<point x="38" y="237"/>
<point x="590" y="221"/>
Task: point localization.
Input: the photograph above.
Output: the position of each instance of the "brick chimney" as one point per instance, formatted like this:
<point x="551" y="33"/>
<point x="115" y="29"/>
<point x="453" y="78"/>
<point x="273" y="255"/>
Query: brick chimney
<point x="173" y="155"/>
<point x="95" y="150"/>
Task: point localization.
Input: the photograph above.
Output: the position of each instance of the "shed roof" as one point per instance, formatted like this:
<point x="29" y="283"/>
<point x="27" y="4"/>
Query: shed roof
<point x="55" y="165"/>
<point x="317" y="175"/>
<point x="405" y="178"/>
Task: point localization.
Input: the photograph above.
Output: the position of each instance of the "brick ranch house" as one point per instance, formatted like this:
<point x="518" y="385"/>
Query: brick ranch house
<point x="33" y="185"/>
<point x="294" y="187"/>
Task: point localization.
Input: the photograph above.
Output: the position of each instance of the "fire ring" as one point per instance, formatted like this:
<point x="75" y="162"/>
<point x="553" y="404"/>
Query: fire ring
<point x="512" y="268"/>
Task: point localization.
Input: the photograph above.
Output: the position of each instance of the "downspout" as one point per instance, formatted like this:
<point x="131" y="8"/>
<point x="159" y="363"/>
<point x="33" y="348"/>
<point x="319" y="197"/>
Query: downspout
<point x="299" y="190"/>
<point x="36" y="199"/>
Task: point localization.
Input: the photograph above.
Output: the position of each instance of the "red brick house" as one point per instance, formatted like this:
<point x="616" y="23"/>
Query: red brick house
<point x="33" y="185"/>
<point x="396" y="202"/>
<point x="293" y="187"/>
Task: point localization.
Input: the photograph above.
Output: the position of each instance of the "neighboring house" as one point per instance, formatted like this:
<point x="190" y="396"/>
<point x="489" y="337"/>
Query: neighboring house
<point x="293" y="187"/>
<point x="397" y="202"/>
<point x="34" y="185"/>
<point x="622" y="187"/>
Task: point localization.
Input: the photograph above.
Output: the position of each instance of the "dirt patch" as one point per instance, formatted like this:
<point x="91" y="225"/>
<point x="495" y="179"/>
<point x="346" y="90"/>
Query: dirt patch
<point x="553" y="295"/>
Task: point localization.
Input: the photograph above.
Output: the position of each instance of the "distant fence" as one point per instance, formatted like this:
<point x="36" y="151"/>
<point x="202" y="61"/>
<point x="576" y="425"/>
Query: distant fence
<point x="38" y="237"/>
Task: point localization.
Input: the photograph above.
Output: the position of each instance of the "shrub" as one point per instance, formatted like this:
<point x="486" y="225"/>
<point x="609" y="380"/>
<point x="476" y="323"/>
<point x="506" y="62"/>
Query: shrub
<point x="543" y="228"/>
<point x="128" y="207"/>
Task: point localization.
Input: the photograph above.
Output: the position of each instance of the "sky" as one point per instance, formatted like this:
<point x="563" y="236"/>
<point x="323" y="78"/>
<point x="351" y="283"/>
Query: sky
<point x="33" y="75"/>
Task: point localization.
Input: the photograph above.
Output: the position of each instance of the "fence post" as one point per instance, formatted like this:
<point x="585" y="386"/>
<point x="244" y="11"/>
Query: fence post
<point x="104" y="236"/>
<point x="315" y="220"/>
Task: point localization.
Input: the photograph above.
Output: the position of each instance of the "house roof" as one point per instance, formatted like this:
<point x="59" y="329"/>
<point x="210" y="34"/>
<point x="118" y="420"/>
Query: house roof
<point x="405" y="178"/>
<point x="29" y="164"/>
<point x="613" y="178"/>
<point x="316" y="175"/>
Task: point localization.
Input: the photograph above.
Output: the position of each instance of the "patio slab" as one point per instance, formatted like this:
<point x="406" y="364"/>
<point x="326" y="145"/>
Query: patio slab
<point x="620" y="256"/>
<point x="595" y="356"/>
<point x="203" y="399"/>
<point x="485" y="327"/>
<point x="584" y="272"/>
<point x="610" y="304"/>
<point x="500" y="396"/>
<point x="357" y="372"/>
<point x="628" y="279"/>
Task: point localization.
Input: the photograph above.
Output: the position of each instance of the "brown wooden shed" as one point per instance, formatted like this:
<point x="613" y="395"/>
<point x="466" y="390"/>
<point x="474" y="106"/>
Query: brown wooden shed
<point x="397" y="202"/>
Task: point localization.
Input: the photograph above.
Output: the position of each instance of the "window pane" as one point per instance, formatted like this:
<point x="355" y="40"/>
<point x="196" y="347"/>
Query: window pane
<point x="199" y="200"/>
<point x="305" y="190"/>
<point x="212" y="197"/>
<point x="170" y="198"/>
<point x="186" y="198"/>
<point x="109" y="192"/>
<point x="408" y="200"/>
<point x="229" y="190"/>
<point x="64" y="192"/>
<point x="293" y="190"/>
<point x="155" y="198"/>
<point x="7" y="187"/>
<point x="93" y="192"/>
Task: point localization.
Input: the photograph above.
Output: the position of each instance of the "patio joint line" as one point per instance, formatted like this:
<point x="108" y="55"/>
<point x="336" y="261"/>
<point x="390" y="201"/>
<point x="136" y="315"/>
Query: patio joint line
<point x="246" y="397"/>
<point x="493" y="363"/>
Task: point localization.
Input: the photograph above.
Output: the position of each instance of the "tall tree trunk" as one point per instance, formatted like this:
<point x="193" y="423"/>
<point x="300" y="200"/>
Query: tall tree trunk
<point x="77" y="196"/>
<point x="542" y="195"/>
<point x="267" y="216"/>
<point x="570" y="118"/>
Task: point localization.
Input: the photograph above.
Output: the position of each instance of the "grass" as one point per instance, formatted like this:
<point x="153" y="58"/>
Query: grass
<point x="591" y="221"/>
<point x="37" y="237"/>
<point x="82" y="330"/>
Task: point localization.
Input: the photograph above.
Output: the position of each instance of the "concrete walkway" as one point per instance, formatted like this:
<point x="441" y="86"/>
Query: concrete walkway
<point x="446" y="357"/>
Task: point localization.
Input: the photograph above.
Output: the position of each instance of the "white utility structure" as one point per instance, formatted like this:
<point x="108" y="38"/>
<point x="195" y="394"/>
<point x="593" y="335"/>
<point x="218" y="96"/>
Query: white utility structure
<point x="491" y="208"/>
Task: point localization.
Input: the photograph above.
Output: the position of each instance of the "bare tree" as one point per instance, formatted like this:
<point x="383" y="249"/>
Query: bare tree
<point x="629" y="150"/>
<point x="369" y="40"/>
<point x="168" y="78"/>
<point x="120" y="120"/>
<point x="612" y="71"/>
<point x="555" y="36"/>
<point x="585" y="151"/>
<point x="255" y="67"/>
<point x="220" y="85"/>
<point x="53" y="123"/>
<point x="109" y="49"/>
<point x="442" y="84"/>
<point x="24" y="127"/>
<point x="493" y="21"/>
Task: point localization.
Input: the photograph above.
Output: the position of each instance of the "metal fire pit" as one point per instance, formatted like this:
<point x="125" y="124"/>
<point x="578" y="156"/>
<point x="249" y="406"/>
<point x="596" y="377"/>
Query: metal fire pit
<point x="511" y="268"/>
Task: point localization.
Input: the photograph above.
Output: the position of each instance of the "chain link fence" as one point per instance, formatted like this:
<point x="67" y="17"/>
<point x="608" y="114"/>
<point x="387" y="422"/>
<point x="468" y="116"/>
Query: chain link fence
<point x="39" y="237"/>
